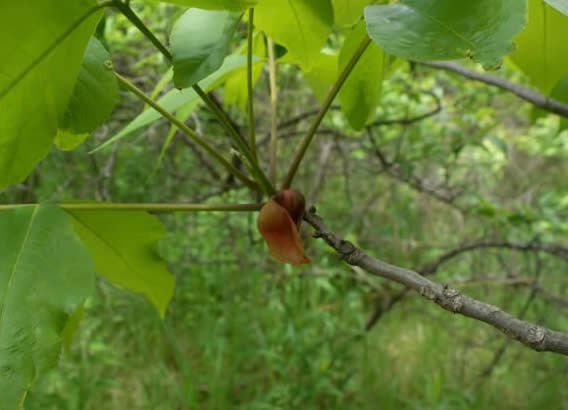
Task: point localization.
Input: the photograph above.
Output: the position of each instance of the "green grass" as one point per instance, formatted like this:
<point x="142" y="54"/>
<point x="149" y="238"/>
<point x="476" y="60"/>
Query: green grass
<point x="256" y="335"/>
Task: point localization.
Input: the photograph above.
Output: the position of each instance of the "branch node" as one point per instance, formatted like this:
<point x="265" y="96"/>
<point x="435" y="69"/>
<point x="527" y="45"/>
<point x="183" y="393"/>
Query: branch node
<point x="452" y="299"/>
<point x="535" y="337"/>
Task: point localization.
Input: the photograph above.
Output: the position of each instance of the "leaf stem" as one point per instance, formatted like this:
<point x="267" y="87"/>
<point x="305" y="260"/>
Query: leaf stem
<point x="217" y="110"/>
<point x="273" y="102"/>
<point x="150" y="207"/>
<point x="125" y="9"/>
<point x="188" y="131"/>
<point x="325" y="107"/>
<point x="250" y="88"/>
<point x="239" y="142"/>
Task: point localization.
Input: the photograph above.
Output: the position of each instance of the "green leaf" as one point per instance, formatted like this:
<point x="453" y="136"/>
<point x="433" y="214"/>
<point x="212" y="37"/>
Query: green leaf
<point x="123" y="246"/>
<point x="45" y="275"/>
<point x="174" y="99"/>
<point x="560" y="5"/>
<point x="40" y="63"/>
<point x="94" y="97"/>
<point x="71" y="327"/>
<point x="199" y="41"/>
<point x="361" y="92"/>
<point x="541" y="48"/>
<point x="68" y="141"/>
<point x="302" y="26"/>
<point x="236" y="87"/>
<point x="482" y="30"/>
<point x="232" y="5"/>
<point x="348" y="12"/>
<point x="322" y="75"/>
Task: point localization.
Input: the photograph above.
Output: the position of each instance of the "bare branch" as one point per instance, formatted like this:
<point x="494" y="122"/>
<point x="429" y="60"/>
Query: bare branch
<point x="533" y="97"/>
<point x="412" y="120"/>
<point x="536" y="337"/>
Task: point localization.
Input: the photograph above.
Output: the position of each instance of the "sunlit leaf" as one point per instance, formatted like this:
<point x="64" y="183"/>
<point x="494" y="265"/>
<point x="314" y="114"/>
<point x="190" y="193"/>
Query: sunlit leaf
<point x="361" y="93"/>
<point x="322" y="75"/>
<point x="541" y="47"/>
<point x="38" y="71"/>
<point x="236" y="87"/>
<point x="302" y="26"/>
<point x="349" y="12"/>
<point x="124" y="248"/>
<point x="45" y="275"/>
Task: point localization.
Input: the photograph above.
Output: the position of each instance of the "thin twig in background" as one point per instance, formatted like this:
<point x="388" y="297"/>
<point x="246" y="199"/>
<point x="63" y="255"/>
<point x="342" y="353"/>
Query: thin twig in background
<point x="535" y="98"/>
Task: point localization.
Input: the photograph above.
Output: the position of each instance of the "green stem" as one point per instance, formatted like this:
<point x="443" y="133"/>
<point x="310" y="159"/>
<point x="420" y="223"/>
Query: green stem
<point x="220" y="114"/>
<point x="218" y="111"/>
<point x="239" y="142"/>
<point x="325" y="107"/>
<point x="273" y="103"/>
<point x="105" y="206"/>
<point x="125" y="9"/>
<point x="52" y="47"/>
<point x="250" y="88"/>
<point x="188" y="131"/>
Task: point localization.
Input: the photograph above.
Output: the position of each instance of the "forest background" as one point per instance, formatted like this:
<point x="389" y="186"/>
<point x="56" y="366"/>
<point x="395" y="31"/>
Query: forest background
<point x="452" y="177"/>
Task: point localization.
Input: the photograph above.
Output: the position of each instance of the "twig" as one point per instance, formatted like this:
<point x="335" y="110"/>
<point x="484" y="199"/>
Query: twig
<point x="555" y="250"/>
<point x="413" y="181"/>
<point x="536" y="337"/>
<point x="319" y="179"/>
<point x="533" y="97"/>
<point x="411" y="120"/>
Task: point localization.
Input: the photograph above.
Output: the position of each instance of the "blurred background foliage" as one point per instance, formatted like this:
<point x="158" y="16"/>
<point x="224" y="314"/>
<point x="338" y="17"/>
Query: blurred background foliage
<point x="246" y="332"/>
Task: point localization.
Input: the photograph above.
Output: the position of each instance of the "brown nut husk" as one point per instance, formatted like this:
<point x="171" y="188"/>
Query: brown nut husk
<point x="278" y="223"/>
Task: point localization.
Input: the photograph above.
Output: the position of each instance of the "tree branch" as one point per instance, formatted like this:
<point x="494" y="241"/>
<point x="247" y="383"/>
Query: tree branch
<point x="535" y="98"/>
<point x="536" y="337"/>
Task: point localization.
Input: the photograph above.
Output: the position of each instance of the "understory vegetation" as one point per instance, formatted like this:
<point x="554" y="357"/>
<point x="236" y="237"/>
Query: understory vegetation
<point x="447" y="162"/>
